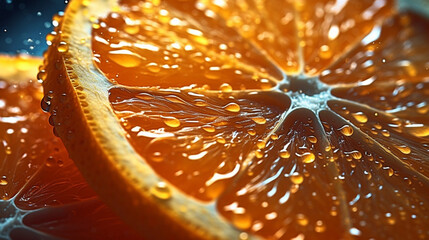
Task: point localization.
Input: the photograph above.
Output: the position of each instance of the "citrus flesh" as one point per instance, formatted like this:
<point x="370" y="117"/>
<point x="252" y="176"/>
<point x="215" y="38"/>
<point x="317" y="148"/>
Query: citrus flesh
<point x="291" y="120"/>
<point x="43" y="195"/>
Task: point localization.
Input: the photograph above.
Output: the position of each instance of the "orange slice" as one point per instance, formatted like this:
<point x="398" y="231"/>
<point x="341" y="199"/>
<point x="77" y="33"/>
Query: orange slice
<point x="248" y="119"/>
<point x="42" y="194"/>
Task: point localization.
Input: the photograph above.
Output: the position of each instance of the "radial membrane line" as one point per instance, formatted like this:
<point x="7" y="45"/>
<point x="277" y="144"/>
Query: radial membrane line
<point x="275" y="128"/>
<point x="387" y="184"/>
<point x="380" y="84"/>
<point x="367" y="107"/>
<point x="396" y="162"/>
<point x="333" y="172"/>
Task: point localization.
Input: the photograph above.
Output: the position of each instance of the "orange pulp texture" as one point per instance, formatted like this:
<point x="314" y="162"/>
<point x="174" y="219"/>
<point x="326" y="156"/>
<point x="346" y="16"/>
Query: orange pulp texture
<point x="297" y="118"/>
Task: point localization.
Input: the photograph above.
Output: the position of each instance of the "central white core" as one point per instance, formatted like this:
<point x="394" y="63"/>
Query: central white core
<point x="306" y="92"/>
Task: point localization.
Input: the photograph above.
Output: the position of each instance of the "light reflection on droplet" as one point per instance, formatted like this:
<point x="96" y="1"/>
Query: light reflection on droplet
<point x="259" y="120"/>
<point x="232" y="107"/>
<point x="296" y="178"/>
<point x="161" y="191"/>
<point x="360" y="117"/>
<point x="172" y="121"/>
<point x="346" y="130"/>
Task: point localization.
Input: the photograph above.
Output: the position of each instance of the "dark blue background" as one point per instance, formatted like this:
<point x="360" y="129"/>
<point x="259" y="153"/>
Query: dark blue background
<point x="25" y="23"/>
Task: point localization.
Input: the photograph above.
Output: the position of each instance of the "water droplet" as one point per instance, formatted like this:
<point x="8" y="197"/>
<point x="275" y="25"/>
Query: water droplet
<point x="390" y="172"/>
<point x="198" y="36"/>
<point x="312" y="139"/>
<point x="96" y="26"/>
<point x="261" y="144"/>
<point x="209" y="128"/>
<point x="243" y="236"/>
<point x="325" y="52"/>
<point x="171" y="122"/>
<point x="265" y="84"/>
<point x="404" y="149"/>
<point x="251" y="132"/>
<point x="360" y="117"/>
<point x="390" y="219"/>
<point x="274" y="136"/>
<point x="385" y="133"/>
<point x="242" y="220"/>
<point x="225" y="87"/>
<point x="153" y="67"/>
<point x="356" y="155"/>
<point x="320" y="227"/>
<point x="60" y="163"/>
<point x="232" y="107"/>
<point x="50" y="37"/>
<point x="378" y="126"/>
<point x="221" y="140"/>
<point x="355" y="231"/>
<point x="333" y="33"/>
<point x="161" y="191"/>
<point x="296" y="178"/>
<point x="50" y="161"/>
<point x="156" y="157"/>
<point x="423" y="108"/>
<point x="308" y="157"/>
<point x="45" y="104"/>
<point x="41" y="76"/>
<point x="3" y="181"/>
<point x="302" y="219"/>
<point x="132" y="29"/>
<point x="259" y="154"/>
<point x="259" y="120"/>
<point x="214" y="73"/>
<point x="8" y="150"/>
<point x="200" y="103"/>
<point x="125" y="58"/>
<point x="418" y="130"/>
<point x="346" y="130"/>
<point x="284" y="154"/>
<point x="63" y="47"/>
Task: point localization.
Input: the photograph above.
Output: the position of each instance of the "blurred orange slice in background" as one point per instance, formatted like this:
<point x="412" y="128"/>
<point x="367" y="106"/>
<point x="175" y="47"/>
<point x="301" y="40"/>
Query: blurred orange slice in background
<point x="42" y="194"/>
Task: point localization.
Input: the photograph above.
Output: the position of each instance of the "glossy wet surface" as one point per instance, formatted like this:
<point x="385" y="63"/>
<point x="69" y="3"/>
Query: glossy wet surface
<point x="298" y="120"/>
<point x="42" y="194"/>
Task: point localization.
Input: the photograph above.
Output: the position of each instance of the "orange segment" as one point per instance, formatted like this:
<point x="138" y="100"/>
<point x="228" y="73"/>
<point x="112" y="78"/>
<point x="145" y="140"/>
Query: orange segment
<point x="396" y="50"/>
<point x="199" y="140"/>
<point x="328" y="28"/>
<point x="43" y="195"/>
<point x="151" y="45"/>
<point x="282" y="191"/>
<point x="270" y="25"/>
